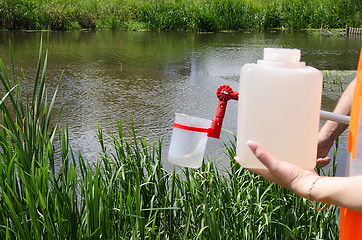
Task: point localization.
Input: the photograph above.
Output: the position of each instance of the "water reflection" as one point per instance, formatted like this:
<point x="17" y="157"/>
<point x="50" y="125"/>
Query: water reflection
<point x="151" y="75"/>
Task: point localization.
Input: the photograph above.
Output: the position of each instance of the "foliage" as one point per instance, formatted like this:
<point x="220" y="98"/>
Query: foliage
<point x="200" y="15"/>
<point x="333" y="80"/>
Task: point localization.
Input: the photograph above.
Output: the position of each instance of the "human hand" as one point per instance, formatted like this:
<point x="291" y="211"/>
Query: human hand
<point x="324" y="145"/>
<point x="332" y="130"/>
<point x="285" y="174"/>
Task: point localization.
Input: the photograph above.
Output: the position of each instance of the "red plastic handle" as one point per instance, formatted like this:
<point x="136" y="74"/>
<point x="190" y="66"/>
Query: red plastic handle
<point x="224" y="94"/>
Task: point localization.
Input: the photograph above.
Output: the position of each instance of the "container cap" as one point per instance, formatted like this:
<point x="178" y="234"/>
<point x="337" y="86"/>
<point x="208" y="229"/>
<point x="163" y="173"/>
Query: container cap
<point x="281" y="57"/>
<point x="281" y="54"/>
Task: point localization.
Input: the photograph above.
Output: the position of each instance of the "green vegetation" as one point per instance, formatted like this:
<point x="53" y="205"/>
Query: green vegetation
<point x="336" y="80"/>
<point x="198" y="15"/>
<point x="333" y="80"/>
<point x="127" y="194"/>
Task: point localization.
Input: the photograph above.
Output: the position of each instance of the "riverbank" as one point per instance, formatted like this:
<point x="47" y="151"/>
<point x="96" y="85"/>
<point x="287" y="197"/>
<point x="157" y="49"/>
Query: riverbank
<point x="186" y="15"/>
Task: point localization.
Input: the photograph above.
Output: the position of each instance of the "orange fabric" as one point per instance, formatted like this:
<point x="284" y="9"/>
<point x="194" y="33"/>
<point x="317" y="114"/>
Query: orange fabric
<point x="356" y="111"/>
<point x="350" y="225"/>
<point x="350" y="221"/>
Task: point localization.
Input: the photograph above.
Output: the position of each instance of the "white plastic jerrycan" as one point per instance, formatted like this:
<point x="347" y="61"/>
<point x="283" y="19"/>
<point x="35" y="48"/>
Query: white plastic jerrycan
<point x="188" y="141"/>
<point x="279" y="106"/>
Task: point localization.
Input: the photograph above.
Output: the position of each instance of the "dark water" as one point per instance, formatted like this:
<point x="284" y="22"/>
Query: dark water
<point x="151" y="75"/>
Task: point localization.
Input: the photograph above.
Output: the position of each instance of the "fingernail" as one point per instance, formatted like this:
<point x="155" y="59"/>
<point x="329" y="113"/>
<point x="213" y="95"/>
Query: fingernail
<point x="252" y="145"/>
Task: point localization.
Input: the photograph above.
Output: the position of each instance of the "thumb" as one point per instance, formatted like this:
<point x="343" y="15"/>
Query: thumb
<point x="260" y="152"/>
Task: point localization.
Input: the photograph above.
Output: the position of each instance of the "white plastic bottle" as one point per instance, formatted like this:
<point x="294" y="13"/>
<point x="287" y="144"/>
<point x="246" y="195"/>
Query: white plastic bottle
<point x="279" y="106"/>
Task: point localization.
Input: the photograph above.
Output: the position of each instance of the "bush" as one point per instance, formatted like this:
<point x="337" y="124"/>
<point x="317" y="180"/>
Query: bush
<point x="198" y="15"/>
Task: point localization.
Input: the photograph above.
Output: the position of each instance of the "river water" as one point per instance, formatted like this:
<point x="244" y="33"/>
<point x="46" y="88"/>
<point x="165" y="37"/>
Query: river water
<point x="148" y="76"/>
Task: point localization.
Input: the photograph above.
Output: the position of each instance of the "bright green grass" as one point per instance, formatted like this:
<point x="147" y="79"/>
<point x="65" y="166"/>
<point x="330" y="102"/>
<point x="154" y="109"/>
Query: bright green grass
<point x="200" y="15"/>
<point x="126" y="193"/>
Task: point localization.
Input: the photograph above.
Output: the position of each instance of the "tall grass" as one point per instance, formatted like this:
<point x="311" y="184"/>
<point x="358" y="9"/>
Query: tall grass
<point x="334" y="81"/>
<point x="126" y="193"/>
<point x="200" y="15"/>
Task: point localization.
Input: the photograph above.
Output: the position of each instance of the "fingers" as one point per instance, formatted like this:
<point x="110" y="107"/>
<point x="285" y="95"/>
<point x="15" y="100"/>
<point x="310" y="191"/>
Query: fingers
<point x="265" y="173"/>
<point x="261" y="154"/>
<point x="322" y="162"/>
<point x="278" y="172"/>
<point x="283" y="173"/>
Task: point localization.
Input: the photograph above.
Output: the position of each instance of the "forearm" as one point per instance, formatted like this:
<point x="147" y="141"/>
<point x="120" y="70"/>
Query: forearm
<point x="342" y="191"/>
<point x="333" y="129"/>
<point x="345" y="102"/>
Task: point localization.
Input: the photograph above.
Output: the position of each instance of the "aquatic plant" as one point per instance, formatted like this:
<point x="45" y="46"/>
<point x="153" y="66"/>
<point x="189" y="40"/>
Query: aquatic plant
<point x="335" y="80"/>
<point x="200" y="15"/>
<point x="126" y="193"/>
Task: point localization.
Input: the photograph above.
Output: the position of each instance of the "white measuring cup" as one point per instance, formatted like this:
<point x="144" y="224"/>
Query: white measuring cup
<point x="188" y="140"/>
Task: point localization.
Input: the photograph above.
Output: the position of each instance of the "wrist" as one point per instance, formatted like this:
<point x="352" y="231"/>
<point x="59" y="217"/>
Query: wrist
<point x="316" y="197"/>
<point x="311" y="187"/>
<point x="331" y="130"/>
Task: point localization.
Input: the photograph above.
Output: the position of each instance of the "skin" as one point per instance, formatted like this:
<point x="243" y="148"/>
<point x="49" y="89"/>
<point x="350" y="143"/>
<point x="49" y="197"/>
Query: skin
<point x="331" y="130"/>
<point x="339" y="191"/>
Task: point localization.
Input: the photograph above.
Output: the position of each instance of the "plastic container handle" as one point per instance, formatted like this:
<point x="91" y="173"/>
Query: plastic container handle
<point x="335" y="117"/>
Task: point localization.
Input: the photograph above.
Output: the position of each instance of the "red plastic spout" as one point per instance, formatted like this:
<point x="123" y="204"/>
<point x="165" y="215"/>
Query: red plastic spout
<point x="224" y="93"/>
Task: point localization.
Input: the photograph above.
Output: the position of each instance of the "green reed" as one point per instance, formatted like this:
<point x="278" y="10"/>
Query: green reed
<point x="334" y="80"/>
<point x="200" y="15"/>
<point x="126" y="193"/>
